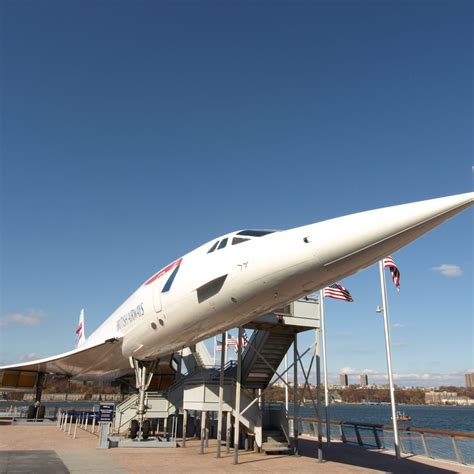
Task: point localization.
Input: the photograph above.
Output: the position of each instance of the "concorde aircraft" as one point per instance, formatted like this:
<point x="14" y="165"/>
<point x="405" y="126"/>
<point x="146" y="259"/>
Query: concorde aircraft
<point x="230" y="281"/>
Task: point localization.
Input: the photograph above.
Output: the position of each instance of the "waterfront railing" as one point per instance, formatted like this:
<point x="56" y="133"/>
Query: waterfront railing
<point x="432" y="443"/>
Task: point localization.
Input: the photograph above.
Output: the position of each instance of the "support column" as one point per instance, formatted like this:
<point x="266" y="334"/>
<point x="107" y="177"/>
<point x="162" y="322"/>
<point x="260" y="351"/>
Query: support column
<point x="40" y="382"/>
<point x="296" y="410"/>
<point x="206" y="429"/>
<point x="185" y="424"/>
<point x="286" y="383"/>
<point x="237" y="399"/>
<point x="325" y="366"/>
<point x="203" y="432"/>
<point x="228" y="432"/>
<point x="221" y="395"/>
<point x="318" y="393"/>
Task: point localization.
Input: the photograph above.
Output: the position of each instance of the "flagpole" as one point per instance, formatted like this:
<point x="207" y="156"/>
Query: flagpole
<point x="215" y="343"/>
<point x="225" y="348"/>
<point x="389" y="358"/>
<point x="325" y="370"/>
<point x="286" y="382"/>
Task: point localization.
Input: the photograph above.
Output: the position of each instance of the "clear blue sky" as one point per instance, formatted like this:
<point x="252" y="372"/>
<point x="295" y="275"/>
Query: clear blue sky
<point x="134" y="131"/>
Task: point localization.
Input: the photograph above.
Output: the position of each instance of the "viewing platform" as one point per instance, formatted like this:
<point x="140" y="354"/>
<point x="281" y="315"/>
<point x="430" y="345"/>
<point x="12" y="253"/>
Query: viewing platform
<point x="44" y="449"/>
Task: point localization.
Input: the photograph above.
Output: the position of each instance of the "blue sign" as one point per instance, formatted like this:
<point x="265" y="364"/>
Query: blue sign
<point x="106" y="412"/>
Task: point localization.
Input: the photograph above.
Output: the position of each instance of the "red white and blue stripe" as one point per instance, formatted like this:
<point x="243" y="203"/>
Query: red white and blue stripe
<point x="389" y="263"/>
<point x="173" y="268"/>
<point x="338" y="292"/>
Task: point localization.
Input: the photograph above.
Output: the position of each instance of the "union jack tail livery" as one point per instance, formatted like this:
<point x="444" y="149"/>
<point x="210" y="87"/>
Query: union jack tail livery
<point x="389" y="263"/>
<point x="80" y="337"/>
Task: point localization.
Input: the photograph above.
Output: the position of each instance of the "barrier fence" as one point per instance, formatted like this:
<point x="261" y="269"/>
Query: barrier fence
<point x="435" y="444"/>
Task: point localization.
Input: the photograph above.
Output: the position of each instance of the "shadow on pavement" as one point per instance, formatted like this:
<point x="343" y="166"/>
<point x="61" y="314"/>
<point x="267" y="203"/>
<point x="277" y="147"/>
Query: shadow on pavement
<point x="366" y="458"/>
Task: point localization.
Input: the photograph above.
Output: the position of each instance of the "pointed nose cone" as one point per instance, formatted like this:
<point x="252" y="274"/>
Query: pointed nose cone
<point x="356" y="241"/>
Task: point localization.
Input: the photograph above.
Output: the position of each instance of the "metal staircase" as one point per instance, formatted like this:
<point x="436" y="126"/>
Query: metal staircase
<point x="275" y="436"/>
<point x="272" y="345"/>
<point x="158" y="406"/>
<point x="197" y="356"/>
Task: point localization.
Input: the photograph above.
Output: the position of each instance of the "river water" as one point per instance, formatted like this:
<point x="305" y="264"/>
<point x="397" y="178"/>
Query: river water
<point x="449" y="418"/>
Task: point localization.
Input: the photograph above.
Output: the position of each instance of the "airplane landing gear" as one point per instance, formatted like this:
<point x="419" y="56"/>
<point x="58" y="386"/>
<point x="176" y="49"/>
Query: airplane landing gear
<point x="143" y="375"/>
<point x="37" y="411"/>
<point x="135" y="427"/>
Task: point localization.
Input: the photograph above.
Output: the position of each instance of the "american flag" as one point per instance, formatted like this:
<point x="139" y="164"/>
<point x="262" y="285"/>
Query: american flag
<point x="245" y="341"/>
<point x="230" y="341"/>
<point x="338" y="292"/>
<point x="389" y="263"/>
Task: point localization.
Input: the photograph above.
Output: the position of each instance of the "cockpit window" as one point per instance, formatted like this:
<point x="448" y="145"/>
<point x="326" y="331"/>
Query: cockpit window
<point x="214" y="246"/>
<point x="222" y="244"/>
<point x="238" y="240"/>
<point x="242" y="236"/>
<point x="255" y="233"/>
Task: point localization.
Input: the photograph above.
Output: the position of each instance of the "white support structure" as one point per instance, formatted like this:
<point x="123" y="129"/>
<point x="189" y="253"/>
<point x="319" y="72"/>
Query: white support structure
<point x="396" y="440"/>
<point x="325" y="367"/>
<point x="318" y="395"/>
<point x="221" y="396"/>
<point x="296" y="411"/>
<point x="237" y="399"/>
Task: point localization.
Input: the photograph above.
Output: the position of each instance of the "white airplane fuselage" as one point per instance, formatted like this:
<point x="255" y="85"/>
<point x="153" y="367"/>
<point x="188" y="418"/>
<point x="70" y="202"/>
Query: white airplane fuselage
<point x="204" y="293"/>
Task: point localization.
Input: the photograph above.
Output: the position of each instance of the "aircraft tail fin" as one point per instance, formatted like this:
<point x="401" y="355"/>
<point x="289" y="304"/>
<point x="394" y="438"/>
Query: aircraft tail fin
<point x="80" y="335"/>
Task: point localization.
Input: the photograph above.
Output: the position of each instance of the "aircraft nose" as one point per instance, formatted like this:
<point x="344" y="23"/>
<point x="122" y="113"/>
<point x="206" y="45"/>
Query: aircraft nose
<point x="358" y="240"/>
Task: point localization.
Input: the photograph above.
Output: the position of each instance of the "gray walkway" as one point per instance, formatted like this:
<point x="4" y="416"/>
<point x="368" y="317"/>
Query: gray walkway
<point x="38" y="462"/>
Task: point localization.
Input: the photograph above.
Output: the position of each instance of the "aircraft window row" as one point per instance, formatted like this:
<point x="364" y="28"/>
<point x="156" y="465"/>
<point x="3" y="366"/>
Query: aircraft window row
<point x="214" y="246"/>
<point x="220" y="244"/>
<point x="255" y="233"/>
<point x="238" y="240"/>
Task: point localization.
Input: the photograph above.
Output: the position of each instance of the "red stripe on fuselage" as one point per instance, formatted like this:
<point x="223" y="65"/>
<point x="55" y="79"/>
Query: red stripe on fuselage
<point x="164" y="271"/>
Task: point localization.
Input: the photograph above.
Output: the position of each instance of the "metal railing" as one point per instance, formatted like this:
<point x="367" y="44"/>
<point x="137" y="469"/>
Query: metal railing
<point x="85" y="420"/>
<point x="432" y="443"/>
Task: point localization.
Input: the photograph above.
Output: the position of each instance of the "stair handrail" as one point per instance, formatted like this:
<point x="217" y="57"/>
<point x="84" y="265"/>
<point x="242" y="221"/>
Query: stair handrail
<point x="125" y="404"/>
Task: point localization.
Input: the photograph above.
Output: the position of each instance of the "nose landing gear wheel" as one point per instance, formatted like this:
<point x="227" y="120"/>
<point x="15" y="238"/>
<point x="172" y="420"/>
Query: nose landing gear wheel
<point x="40" y="413"/>
<point x="146" y="428"/>
<point x="134" y="429"/>
<point x="31" y="412"/>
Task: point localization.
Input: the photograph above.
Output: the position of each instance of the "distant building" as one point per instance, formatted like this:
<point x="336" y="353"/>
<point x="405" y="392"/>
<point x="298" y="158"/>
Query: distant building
<point x="343" y="380"/>
<point x="469" y="380"/>
<point x="447" y="398"/>
<point x="364" y="380"/>
<point x="439" y="398"/>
